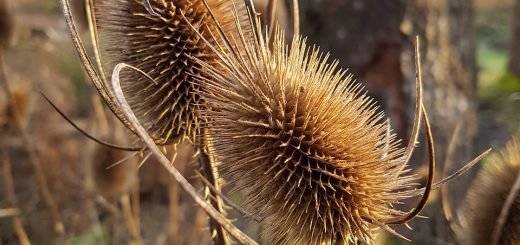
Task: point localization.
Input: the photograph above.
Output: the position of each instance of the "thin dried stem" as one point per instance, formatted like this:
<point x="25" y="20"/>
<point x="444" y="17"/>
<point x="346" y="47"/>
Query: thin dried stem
<point x="228" y="201"/>
<point x="418" y="101"/>
<point x="93" y="138"/>
<point x="130" y="220"/>
<point x="32" y="152"/>
<point x="173" y="221"/>
<point x="87" y="65"/>
<point x="296" y="17"/>
<point x="209" y="174"/>
<point x="251" y="7"/>
<point x="210" y="210"/>
<point x="411" y="145"/>
<point x="458" y="173"/>
<point x="11" y="198"/>
<point x="271" y="16"/>
<point x="198" y="223"/>
<point x="445" y="202"/>
<point x="504" y="212"/>
<point x="431" y="173"/>
<point x="92" y="25"/>
<point x="20" y="232"/>
<point x="105" y="204"/>
<point x="100" y="115"/>
<point x="136" y="203"/>
<point x="8" y="212"/>
<point x="462" y="170"/>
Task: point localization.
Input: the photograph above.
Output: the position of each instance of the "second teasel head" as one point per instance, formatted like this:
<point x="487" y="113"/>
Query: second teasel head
<point x="160" y="42"/>
<point x="486" y="200"/>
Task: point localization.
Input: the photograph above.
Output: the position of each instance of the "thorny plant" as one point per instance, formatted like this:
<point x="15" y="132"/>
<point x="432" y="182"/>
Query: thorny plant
<point x="166" y="99"/>
<point x="246" y="90"/>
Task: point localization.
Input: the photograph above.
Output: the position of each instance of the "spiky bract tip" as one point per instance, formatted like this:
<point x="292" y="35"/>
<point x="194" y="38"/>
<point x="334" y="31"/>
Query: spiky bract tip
<point x="308" y="147"/>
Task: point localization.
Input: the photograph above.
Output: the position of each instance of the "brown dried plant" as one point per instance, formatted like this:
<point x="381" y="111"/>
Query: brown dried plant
<point x="490" y="213"/>
<point x="154" y="37"/>
<point x="306" y="144"/>
<point x="16" y="99"/>
<point x="319" y="163"/>
<point x="314" y="157"/>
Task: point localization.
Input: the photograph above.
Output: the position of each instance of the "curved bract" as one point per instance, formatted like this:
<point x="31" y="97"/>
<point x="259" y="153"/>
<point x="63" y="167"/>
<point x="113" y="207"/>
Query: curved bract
<point x="303" y="140"/>
<point x="487" y="197"/>
<point x="160" y="43"/>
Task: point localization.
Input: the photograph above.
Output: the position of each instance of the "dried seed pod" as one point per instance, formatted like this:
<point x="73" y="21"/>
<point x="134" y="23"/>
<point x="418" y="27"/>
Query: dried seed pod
<point x="309" y="148"/>
<point x="487" y="196"/>
<point x="160" y="44"/>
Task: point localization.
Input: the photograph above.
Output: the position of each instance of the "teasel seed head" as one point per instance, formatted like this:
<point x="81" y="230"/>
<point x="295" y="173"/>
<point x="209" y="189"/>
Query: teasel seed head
<point x="487" y="196"/>
<point x="159" y="44"/>
<point x="308" y="147"/>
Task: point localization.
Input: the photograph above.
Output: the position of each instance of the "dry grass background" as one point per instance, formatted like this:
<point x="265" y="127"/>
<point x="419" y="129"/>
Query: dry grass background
<point x="41" y="57"/>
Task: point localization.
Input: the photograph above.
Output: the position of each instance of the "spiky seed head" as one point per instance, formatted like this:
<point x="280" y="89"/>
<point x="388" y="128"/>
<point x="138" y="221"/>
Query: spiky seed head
<point x="161" y="47"/>
<point x="305" y="143"/>
<point x="487" y="195"/>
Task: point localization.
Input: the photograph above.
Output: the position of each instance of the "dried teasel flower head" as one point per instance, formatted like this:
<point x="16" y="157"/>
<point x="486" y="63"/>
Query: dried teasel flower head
<point x="489" y="218"/>
<point x="315" y="158"/>
<point x="158" y="37"/>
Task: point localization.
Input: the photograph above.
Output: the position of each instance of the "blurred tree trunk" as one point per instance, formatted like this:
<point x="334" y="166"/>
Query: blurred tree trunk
<point x="514" y="43"/>
<point x="449" y="76"/>
<point x="367" y="37"/>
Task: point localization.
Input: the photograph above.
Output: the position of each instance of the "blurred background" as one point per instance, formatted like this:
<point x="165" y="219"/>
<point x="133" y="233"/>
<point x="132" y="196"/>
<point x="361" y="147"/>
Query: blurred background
<point x="55" y="187"/>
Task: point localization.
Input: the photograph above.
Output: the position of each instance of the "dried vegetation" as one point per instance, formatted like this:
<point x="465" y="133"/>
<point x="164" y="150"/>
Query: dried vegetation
<point x="305" y="152"/>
